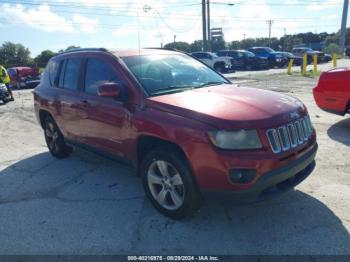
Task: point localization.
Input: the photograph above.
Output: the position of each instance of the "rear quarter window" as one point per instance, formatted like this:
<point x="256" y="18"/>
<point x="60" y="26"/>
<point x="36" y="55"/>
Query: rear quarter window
<point x="52" y="69"/>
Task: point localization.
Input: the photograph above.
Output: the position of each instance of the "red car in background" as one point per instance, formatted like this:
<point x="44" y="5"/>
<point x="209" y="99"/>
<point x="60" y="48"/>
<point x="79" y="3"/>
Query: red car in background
<point x="332" y="92"/>
<point x="22" y="77"/>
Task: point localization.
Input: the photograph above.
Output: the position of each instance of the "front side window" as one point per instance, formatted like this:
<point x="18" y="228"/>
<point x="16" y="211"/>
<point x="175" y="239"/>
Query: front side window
<point x="249" y="54"/>
<point x="171" y="73"/>
<point x="98" y="72"/>
<point x="72" y="74"/>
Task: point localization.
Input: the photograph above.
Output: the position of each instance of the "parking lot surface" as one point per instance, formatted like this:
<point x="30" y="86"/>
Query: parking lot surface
<point x="88" y="204"/>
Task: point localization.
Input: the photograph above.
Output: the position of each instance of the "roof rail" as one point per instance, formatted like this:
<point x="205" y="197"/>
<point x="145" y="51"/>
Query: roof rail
<point x="83" y="49"/>
<point x="163" y="48"/>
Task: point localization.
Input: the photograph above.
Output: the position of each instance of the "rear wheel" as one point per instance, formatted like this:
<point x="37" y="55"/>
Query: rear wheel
<point x="248" y="67"/>
<point x="169" y="184"/>
<point x="55" y="140"/>
<point x="219" y="67"/>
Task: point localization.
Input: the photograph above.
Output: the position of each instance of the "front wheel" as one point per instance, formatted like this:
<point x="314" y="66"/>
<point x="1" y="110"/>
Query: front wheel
<point x="55" y="140"/>
<point x="169" y="184"/>
<point x="219" y="68"/>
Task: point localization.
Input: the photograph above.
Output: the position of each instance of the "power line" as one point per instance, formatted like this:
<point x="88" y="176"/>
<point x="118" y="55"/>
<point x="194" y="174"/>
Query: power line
<point x="195" y="17"/>
<point x="106" y="5"/>
<point x="117" y="26"/>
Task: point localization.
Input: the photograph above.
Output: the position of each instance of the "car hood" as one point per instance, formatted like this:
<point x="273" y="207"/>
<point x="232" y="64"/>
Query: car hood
<point x="312" y="52"/>
<point x="229" y="106"/>
<point x="227" y="58"/>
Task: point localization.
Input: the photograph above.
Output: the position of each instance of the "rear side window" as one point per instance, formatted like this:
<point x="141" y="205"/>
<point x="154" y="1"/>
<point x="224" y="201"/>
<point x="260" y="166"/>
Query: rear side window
<point x="71" y="74"/>
<point x="53" y="70"/>
<point x="98" y="72"/>
<point x="198" y="55"/>
<point x="12" y="72"/>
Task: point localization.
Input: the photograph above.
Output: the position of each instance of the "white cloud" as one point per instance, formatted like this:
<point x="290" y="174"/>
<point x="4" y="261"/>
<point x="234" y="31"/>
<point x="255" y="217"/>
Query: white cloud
<point x="329" y="17"/>
<point x="41" y="18"/>
<point x="322" y="6"/>
<point x="45" y="19"/>
<point x="111" y="4"/>
<point x="87" y="25"/>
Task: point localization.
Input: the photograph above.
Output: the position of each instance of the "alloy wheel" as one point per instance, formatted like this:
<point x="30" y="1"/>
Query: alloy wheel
<point x="166" y="185"/>
<point x="52" y="137"/>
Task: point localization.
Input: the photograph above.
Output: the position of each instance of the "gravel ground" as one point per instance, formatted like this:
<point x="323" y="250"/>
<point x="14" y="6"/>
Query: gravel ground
<point x="91" y="205"/>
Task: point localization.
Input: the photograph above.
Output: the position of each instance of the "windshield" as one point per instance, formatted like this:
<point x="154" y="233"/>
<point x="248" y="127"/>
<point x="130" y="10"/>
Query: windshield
<point x="249" y="54"/>
<point x="171" y="73"/>
<point x="270" y="50"/>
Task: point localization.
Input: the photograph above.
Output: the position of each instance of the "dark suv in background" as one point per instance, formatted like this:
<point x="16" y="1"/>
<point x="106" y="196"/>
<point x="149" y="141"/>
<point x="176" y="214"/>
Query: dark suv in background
<point x="275" y="59"/>
<point x="245" y="60"/>
<point x="321" y="56"/>
<point x="347" y="51"/>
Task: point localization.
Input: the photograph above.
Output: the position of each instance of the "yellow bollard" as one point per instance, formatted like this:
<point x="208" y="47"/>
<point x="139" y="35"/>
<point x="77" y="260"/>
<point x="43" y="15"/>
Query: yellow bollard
<point x="315" y="64"/>
<point x="290" y="64"/>
<point x="304" y="64"/>
<point x="334" y="60"/>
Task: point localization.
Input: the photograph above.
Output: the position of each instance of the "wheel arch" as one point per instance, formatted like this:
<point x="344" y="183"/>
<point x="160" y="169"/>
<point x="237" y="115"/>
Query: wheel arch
<point x="347" y="107"/>
<point x="221" y="63"/>
<point x="146" y="143"/>
<point x="43" y="114"/>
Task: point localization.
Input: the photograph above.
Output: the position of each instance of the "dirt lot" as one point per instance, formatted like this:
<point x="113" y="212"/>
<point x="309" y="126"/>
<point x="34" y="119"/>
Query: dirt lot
<point x="90" y="205"/>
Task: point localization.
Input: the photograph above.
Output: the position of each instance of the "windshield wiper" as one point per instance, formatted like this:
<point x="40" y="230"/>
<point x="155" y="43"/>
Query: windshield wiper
<point x="171" y="89"/>
<point x="212" y="83"/>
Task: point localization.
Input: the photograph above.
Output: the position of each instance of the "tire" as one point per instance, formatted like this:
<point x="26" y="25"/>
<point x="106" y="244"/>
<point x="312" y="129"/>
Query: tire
<point x="166" y="176"/>
<point x="55" y="140"/>
<point x="219" y="67"/>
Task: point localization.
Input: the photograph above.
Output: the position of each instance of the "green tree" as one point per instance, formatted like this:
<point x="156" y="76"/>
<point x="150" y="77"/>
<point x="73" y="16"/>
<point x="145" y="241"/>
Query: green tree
<point x="196" y="46"/>
<point x="12" y="54"/>
<point x="182" y="46"/>
<point x="71" y="47"/>
<point x="332" y="48"/>
<point x="42" y="59"/>
<point x="217" y="44"/>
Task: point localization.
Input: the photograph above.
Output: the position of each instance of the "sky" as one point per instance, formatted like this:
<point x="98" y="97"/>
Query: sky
<point x="54" y="25"/>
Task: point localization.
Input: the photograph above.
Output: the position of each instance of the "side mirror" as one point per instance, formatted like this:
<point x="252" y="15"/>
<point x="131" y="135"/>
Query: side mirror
<point x="109" y="90"/>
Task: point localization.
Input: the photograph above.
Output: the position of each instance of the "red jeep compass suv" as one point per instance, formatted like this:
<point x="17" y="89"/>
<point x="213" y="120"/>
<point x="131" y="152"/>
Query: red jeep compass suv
<point x="185" y="127"/>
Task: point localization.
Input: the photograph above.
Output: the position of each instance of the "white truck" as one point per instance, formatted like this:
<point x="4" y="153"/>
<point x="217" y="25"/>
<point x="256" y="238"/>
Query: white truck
<point x="219" y="63"/>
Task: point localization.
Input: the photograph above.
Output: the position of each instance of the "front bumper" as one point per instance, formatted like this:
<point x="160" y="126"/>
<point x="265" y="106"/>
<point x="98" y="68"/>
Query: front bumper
<point x="278" y="180"/>
<point x="4" y="95"/>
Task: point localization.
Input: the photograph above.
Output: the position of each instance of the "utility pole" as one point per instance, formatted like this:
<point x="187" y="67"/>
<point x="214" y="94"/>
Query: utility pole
<point x="204" y="24"/>
<point x="208" y="23"/>
<point x="343" y="26"/>
<point x="244" y="36"/>
<point x="269" y="22"/>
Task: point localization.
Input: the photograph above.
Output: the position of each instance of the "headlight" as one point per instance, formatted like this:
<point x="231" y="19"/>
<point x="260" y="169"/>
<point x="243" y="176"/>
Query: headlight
<point x="235" y="140"/>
